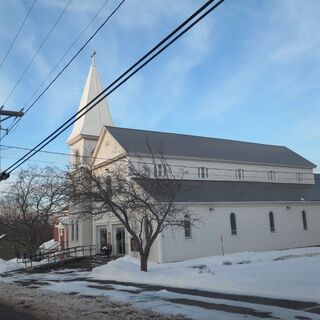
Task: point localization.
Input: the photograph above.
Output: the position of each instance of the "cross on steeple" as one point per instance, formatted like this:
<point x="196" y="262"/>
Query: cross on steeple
<point x="93" y="56"/>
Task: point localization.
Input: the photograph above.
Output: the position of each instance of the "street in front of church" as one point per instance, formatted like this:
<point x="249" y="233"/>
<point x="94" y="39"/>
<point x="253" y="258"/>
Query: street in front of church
<point x="51" y="291"/>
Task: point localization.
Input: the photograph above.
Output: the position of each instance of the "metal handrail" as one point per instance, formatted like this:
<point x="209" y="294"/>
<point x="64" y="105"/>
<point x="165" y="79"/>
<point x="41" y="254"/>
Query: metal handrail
<point x="59" y="255"/>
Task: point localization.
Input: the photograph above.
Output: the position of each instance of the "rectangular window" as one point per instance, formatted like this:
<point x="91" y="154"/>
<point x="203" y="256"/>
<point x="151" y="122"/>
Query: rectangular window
<point x="271" y="175"/>
<point x="240" y="174"/>
<point x="299" y="176"/>
<point x="160" y="170"/>
<point x="72" y="231"/>
<point x="203" y="173"/>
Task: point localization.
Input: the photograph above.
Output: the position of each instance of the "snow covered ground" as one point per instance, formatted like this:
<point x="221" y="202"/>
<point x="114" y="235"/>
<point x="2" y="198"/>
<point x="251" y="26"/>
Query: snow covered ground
<point x="9" y="265"/>
<point x="50" y="305"/>
<point x="75" y="293"/>
<point x="292" y="274"/>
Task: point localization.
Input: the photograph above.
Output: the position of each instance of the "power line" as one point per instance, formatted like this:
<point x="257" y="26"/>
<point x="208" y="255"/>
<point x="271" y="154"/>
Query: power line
<point x="194" y="174"/>
<point x="40" y="161"/>
<point x="17" y="34"/>
<point x="38" y="50"/>
<point x="15" y="123"/>
<point x="179" y="166"/>
<point x="116" y="84"/>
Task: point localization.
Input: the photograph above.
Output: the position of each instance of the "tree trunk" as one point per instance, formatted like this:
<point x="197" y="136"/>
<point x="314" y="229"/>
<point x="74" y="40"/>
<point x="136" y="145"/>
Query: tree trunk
<point x="143" y="262"/>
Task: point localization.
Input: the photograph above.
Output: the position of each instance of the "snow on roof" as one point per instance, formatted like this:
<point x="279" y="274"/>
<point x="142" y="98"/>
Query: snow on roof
<point x="51" y="244"/>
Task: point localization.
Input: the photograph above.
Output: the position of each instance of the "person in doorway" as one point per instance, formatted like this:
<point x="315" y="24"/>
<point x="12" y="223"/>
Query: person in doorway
<point x="107" y="250"/>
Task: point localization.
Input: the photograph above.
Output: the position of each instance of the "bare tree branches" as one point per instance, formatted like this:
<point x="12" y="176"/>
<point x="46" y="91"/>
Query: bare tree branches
<point x="26" y="209"/>
<point x="141" y="196"/>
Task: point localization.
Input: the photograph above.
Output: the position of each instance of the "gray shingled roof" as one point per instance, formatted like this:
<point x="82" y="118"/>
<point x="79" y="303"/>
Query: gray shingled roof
<point x="179" y="145"/>
<point x="236" y="191"/>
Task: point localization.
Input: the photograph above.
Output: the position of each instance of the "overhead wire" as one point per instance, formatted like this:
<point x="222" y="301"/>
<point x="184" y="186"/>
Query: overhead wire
<point x="142" y="62"/>
<point x="40" y="161"/>
<point x="182" y="166"/>
<point x="26" y="109"/>
<point x="17" y="34"/>
<point x="37" y="52"/>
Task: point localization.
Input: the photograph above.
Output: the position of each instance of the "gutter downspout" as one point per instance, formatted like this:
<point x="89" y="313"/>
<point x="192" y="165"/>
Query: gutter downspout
<point x="161" y="260"/>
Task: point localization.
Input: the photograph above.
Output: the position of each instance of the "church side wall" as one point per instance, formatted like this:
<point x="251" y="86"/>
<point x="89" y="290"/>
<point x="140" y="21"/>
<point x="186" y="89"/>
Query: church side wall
<point x="253" y="230"/>
<point x="226" y="171"/>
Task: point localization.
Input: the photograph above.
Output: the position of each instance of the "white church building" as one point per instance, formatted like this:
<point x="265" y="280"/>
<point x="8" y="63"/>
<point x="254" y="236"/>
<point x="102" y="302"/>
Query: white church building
<point x="249" y="196"/>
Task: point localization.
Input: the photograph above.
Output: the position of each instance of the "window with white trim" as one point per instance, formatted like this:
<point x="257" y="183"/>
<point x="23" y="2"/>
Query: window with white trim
<point x="271" y="175"/>
<point x="203" y="173"/>
<point x="299" y="176"/>
<point x="160" y="170"/>
<point x="240" y="174"/>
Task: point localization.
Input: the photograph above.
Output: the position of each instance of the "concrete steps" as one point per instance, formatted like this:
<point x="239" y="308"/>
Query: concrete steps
<point x="99" y="260"/>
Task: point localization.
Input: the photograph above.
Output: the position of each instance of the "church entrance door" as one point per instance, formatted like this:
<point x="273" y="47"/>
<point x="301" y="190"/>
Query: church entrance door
<point x="119" y="240"/>
<point x="102" y="237"/>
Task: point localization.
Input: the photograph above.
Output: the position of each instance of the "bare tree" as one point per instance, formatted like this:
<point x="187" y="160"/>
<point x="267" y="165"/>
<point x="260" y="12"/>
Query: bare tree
<point x="27" y="206"/>
<point x="133" y="193"/>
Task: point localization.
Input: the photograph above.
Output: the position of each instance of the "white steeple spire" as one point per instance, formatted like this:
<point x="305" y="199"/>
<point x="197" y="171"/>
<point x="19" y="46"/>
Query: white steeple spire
<point x="90" y="125"/>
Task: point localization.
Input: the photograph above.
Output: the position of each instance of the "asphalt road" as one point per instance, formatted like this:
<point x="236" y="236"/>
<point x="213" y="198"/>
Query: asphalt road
<point x="9" y="313"/>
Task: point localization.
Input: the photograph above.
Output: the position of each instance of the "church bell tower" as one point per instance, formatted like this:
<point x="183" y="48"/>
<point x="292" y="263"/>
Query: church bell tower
<point x="86" y="130"/>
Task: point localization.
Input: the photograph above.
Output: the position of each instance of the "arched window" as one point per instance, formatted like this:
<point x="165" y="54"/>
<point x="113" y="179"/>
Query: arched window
<point x="187" y="227"/>
<point x="108" y="186"/>
<point x="271" y="222"/>
<point x="76" y="158"/>
<point x="304" y="220"/>
<point x="77" y="231"/>
<point x="72" y="230"/>
<point x="233" y="224"/>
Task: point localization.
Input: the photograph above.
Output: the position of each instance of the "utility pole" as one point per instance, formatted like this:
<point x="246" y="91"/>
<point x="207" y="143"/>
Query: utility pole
<point x="7" y="115"/>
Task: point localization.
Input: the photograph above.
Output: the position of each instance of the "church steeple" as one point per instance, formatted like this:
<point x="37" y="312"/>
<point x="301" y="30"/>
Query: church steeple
<point x="90" y="125"/>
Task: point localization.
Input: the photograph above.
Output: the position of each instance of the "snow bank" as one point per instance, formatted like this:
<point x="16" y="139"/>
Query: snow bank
<point x="293" y="273"/>
<point x="10" y="265"/>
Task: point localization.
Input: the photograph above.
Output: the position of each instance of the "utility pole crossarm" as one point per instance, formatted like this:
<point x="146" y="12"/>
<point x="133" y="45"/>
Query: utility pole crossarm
<point x="8" y="114"/>
<point x="4" y="175"/>
<point x="11" y="113"/>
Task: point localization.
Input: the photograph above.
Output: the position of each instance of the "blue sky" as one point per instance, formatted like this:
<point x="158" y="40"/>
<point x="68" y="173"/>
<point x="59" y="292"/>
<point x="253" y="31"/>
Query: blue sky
<point x="249" y="71"/>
